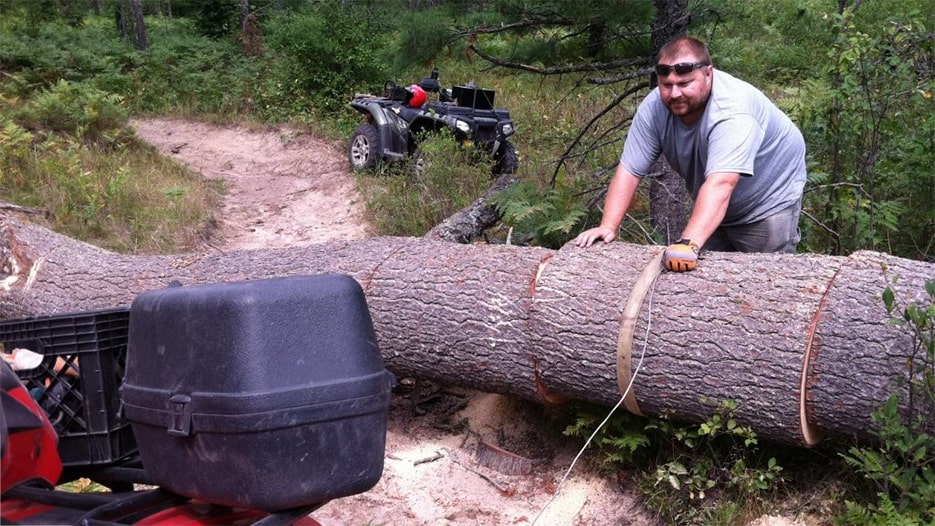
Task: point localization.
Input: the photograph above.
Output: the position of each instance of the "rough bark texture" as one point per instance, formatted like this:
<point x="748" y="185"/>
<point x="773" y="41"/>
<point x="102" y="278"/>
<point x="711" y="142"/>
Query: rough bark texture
<point x="801" y="342"/>
<point x="668" y="213"/>
<point x="668" y="202"/>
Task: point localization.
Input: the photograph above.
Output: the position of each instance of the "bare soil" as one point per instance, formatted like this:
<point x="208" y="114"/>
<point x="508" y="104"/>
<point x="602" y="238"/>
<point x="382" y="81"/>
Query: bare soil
<point x="284" y="187"/>
<point x="453" y="457"/>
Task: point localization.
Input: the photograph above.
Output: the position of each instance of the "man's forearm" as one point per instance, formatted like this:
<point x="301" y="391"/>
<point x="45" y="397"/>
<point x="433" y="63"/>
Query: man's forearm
<point x="710" y="207"/>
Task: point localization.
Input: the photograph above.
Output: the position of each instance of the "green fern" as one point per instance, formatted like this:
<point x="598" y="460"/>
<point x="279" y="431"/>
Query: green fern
<point x="544" y="217"/>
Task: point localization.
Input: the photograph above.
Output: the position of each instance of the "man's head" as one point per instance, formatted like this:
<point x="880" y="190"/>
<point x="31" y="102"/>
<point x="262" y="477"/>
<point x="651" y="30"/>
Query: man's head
<point x="685" y="75"/>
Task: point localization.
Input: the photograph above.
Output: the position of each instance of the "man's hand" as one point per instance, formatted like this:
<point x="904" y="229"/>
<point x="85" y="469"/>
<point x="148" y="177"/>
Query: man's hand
<point x="588" y="237"/>
<point x="682" y="256"/>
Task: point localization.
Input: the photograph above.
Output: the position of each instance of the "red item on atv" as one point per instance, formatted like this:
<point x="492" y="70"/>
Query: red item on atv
<point x="418" y="98"/>
<point x="29" y="445"/>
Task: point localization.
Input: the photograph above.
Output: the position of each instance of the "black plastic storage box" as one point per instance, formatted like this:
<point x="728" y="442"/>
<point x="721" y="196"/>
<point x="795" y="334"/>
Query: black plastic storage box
<point x="77" y="382"/>
<point x="474" y="97"/>
<point x="266" y="394"/>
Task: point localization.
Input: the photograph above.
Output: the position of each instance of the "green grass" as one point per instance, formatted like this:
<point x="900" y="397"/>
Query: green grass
<point x="404" y="201"/>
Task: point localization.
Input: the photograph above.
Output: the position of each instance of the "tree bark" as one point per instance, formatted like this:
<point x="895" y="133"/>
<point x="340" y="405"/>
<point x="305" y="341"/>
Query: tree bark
<point x="802" y="343"/>
<point x="129" y="21"/>
<point x="140" y="40"/>
<point x="668" y="202"/>
<point x="668" y="197"/>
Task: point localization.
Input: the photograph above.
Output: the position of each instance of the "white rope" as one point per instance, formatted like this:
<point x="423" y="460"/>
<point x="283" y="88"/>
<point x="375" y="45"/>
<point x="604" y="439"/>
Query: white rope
<point x="636" y="371"/>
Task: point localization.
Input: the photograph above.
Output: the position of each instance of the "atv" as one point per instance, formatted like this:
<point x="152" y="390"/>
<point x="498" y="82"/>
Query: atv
<point x="398" y="118"/>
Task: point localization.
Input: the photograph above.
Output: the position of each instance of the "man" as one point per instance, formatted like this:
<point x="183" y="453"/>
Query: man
<point x="742" y="158"/>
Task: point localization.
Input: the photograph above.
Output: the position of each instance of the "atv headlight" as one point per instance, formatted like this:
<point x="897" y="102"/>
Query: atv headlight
<point x="462" y="126"/>
<point x="507" y="129"/>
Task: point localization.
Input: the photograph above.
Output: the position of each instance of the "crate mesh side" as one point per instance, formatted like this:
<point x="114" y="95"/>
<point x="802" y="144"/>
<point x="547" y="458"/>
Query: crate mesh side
<point x="78" y="382"/>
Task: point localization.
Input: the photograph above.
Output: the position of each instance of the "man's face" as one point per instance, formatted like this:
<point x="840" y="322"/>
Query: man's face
<point x="687" y="94"/>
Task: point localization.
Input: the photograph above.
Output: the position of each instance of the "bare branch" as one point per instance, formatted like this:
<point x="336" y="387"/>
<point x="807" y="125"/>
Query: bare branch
<point x="825" y="227"/>
<point x="613" y="104"/>
<point x="505" y="28"/>
<point x="560" y="70"/>
<point x="23" y="209"/>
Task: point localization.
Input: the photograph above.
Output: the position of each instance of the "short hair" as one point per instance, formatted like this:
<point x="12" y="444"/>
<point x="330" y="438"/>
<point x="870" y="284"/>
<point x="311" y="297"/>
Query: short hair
<point x="685" y="45"/>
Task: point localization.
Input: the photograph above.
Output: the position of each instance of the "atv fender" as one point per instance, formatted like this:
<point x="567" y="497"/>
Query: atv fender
<point x="394" y="136"/>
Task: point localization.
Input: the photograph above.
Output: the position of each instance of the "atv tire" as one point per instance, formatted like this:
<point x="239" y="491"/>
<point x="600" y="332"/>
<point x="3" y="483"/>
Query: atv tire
<point x="363" y="149"/>
<point x="507" y="160"/>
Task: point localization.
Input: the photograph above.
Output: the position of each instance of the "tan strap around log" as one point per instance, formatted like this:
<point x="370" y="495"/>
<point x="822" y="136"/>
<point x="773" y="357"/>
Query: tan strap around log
<point x="631" y="313"/>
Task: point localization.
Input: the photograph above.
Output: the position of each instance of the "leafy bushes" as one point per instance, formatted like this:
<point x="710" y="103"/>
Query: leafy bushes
<point x="423" y="36"/>
<point x="325" y="54"/>
<point x="411" y="201"/>
<point x="183" y="73"/>
<point x="52" y="52"/>
<point x="712" y="473"/>
<point x="68" y="151"/>
<point x="868" y="123"/>
<point x="78" y="110"/>
<point x="541" y="217"/>
<point x="901" y="468"/>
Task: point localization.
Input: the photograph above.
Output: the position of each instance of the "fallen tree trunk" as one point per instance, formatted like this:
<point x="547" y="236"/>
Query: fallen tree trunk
<point x="802" y="343"/>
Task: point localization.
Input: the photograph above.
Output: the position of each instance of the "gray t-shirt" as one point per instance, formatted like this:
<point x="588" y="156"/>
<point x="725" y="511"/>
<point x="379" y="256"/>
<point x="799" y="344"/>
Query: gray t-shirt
<point x="740" y="131"/>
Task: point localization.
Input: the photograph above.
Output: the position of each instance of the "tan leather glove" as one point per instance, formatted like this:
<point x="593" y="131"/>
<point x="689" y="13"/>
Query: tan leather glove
<point x="681" y="256"/>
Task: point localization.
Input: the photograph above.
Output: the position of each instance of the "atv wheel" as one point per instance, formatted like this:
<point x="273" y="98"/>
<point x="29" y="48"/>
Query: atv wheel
<point x="507" y="160"/>
<point x="363" y="150"/>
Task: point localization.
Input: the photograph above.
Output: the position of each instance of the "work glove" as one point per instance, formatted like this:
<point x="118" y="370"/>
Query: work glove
<point x="682" y="256"/>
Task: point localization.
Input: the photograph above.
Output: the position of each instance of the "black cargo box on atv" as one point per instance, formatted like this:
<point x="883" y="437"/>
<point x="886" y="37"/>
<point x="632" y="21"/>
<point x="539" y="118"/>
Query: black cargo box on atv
<point x="266" y="394"/>
<point x="473" y="97"/>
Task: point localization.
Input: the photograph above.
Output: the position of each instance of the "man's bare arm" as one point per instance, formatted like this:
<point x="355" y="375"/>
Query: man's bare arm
<point x="710" y="206"/>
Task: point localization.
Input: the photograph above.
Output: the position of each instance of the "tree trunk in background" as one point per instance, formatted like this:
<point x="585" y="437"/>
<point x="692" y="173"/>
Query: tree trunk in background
<point x="251" y="37"/>
<point x="139" y="26"/>
<point x="120" y="20"/>
<point x="802" y="343"/>
<point x="668" y="198"/>
<point x="668" y="202"/>
<point x="128" y="17"/>
<point x="244" y="13"/>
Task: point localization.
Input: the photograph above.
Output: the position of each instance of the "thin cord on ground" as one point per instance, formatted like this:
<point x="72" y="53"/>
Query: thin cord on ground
<point x="636" y="371"/>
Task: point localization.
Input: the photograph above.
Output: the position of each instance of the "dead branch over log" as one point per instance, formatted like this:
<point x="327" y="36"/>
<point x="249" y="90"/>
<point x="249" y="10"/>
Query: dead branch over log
<point x="23" y="209"/>
<point x="470" y="223"/>
<point x="802" y="343"/>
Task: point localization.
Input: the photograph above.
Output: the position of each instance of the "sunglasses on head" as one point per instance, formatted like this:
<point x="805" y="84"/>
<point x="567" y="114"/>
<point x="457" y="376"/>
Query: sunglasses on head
<point x="682" y="68"/>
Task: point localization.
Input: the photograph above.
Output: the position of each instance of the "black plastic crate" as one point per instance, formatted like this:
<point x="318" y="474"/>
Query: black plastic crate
<point x="473" y="97"/>
<point x="78" y="381"/>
